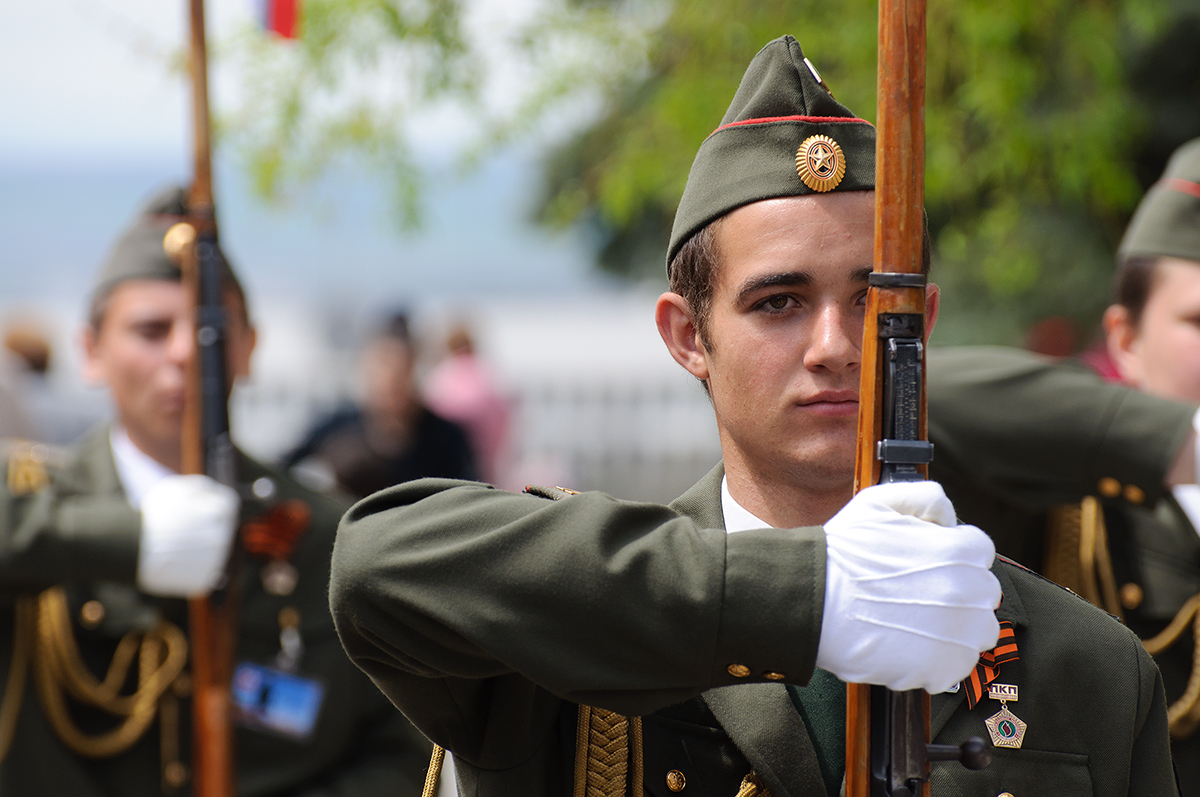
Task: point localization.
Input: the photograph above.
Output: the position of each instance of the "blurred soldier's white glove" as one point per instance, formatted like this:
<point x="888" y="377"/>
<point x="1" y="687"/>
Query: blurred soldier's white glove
<point x="909" y="599"/>
<point x="188" y="524"/>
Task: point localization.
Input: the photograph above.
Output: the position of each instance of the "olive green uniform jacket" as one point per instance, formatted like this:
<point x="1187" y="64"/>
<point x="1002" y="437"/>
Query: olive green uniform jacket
<point x="81" y="532"/>
<point x="487" y="616"/>
<point x="1016" y="435"/>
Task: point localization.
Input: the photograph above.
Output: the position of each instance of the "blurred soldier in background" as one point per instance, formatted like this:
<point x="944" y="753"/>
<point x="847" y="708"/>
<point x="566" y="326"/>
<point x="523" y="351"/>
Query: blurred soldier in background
<point x="391" y="436"/>
<point x="1092" y="483"/>
<point x="57" y="412"/>
<point x="15" y="420"/>
<point x="102" y="543"/>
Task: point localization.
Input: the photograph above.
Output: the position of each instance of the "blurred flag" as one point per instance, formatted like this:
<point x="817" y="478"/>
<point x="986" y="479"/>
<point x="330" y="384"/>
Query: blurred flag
<point x="280" y="17"/>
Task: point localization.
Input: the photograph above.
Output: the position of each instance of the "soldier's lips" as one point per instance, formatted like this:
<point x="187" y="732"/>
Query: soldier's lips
<point x="173" y="401"/>
<point x="833" y="404"/>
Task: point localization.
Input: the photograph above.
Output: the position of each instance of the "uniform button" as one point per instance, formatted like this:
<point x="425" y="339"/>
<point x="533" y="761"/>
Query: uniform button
<point x="175" y="774"/>
<point x="289" y="617"/>
<point x="1132" y="595"/>
<point x="1109" y="487"/>
<point x="1134" y="494"/>
<point x="774" y="676"/>
<point x="1005" y="794"/>
<point x="738" y="670"/>
<point x="675" y="780"/>
<point x="91" y="614"/>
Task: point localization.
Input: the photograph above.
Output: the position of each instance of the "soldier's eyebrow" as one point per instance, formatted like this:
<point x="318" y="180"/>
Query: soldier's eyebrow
<point x="789" y="279"/>
<point x="784" y="279"/>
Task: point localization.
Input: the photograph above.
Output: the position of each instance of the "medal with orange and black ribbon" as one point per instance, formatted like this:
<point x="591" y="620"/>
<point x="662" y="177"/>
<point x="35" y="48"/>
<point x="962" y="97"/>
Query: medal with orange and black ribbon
<point x="1005" y="727"/>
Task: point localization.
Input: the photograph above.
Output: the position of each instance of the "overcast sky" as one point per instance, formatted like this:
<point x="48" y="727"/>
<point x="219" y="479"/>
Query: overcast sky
<point x="87" y="80"/>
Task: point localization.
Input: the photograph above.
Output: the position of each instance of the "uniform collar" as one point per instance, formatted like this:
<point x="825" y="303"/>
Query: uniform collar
<point x="1011" y="607"/>
<point x="137" y="470"/>
<point x="737" y="517"/>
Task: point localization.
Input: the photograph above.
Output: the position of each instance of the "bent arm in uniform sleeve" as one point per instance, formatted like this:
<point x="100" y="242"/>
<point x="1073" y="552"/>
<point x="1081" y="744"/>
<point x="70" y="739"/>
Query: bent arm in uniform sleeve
<point x="476" y="610"/>
<point x="1151" y="756"/>
<point x="1045" y="432"/>
<point x="49" y="537"/>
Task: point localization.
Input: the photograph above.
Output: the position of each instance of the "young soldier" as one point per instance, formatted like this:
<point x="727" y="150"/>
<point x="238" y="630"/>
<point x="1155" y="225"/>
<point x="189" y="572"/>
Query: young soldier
<point x="727" y="623"/>
<point x="1018" y="437"/>
<point x="99" y="550"/>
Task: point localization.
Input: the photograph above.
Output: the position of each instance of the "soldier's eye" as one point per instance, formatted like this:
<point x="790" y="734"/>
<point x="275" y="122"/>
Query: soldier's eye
<point x="152" y="330"/>
<point x="777" y="303"/>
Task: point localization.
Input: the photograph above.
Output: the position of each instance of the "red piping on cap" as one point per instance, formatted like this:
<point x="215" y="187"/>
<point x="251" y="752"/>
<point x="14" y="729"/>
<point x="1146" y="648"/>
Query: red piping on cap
<point x="1181" y="185"/>
<point x="814" y="119"/>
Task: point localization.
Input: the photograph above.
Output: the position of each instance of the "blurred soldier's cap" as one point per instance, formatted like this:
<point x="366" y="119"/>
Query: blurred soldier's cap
<point x="1167" y="223"/>
<point x="783" y="135"/>
<point x="152" y="246"/>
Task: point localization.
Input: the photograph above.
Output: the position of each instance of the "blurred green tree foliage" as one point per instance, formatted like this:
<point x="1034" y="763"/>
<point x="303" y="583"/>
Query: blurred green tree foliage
<point x="1038" y="127"/>
<point x="365" y="75"/>
<point x="1046" y="119"/>
<point x="347" y="86"/>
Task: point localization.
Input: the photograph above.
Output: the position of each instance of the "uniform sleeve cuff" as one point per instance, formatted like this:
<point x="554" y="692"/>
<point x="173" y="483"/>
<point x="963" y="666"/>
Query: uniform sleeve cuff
<point x="103" y="538"/>
<point x="1140" y="446"/>
<point x="773" y="602"/>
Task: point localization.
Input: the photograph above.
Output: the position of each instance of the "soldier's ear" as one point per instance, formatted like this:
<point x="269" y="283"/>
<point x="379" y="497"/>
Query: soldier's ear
<point x="678" y="330"/>
<point x="1122" y="340"/>
<point x="932" y="297"/>
<point x="92" y="366"/>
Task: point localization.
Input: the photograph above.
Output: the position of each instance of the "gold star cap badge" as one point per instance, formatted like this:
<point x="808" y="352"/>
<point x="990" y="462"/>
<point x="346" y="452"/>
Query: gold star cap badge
<point x="820" y="163"/>
<point x="178" y="238"/>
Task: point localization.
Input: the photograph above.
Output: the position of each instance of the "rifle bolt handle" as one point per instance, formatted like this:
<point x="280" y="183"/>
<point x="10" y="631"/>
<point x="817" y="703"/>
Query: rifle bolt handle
<point x="973" y="753"/>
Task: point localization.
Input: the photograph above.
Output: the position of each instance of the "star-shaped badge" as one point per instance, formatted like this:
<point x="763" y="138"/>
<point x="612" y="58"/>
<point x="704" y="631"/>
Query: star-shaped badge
<point x="820" y="163"/>
<point x="1005" y="728"/>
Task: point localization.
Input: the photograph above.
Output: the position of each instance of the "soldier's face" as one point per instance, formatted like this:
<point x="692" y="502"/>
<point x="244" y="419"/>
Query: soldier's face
<point x="785" y="329"/>
<point x="1161" y="354"/>
<point x="140" y="352"/>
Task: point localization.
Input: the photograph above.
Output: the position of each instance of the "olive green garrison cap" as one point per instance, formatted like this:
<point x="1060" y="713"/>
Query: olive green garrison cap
<point x="1167" y="223"/>
<point x="141" y="253"/>
<point x="783" y="135"/>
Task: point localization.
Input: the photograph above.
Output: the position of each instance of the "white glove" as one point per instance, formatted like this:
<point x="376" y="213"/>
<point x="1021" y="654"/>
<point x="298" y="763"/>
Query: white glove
<point x="909" y="599"/>
<point x="188" y="524"/>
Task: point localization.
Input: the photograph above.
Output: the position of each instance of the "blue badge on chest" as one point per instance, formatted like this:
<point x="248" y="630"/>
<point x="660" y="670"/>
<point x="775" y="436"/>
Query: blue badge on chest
<point x="268" y="699"/>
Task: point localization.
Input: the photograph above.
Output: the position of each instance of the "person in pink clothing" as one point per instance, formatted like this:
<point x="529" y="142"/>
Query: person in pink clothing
<point x="462" y="390"/>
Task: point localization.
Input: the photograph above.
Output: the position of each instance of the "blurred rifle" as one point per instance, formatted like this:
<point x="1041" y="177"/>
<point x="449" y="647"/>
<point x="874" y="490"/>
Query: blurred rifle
<point x="207" y="449"/>
<point x="887" y="733"/>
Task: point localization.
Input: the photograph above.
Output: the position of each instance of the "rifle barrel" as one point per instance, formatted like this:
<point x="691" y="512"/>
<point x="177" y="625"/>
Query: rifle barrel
<point x="891" y="408"/>
<point x="212" y="621"/>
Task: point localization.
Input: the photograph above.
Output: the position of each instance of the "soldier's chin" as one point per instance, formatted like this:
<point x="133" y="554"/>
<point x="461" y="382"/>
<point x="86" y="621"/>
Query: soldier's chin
<point x="169" y="430"/>
<point x="829" y="470"/>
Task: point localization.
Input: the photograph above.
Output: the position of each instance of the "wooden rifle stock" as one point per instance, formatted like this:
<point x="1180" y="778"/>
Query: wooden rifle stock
<point x="888" y="749"/>
<point x="207" y="449"/>
<point x="895" y="314"/>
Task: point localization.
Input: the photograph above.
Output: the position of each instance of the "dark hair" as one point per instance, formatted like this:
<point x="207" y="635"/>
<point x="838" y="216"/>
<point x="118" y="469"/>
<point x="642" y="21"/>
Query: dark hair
<point x="693" y="274"/>
<point x="396" y="327"/>
<point x="693" y="271"/>
<point x="1132" y="284"/>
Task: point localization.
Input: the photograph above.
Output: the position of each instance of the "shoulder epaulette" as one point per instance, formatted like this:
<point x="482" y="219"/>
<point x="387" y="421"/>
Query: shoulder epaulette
<point x="553" y="493"/>
<point x="28" y="464"/>
<point x="1050" y="581"/>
